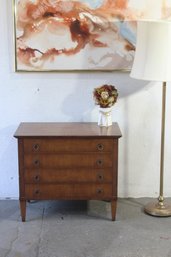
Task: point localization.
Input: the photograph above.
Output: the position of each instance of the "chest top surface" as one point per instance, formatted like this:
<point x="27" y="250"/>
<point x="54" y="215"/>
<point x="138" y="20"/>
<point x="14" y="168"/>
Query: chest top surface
<point x="66" y="129"/>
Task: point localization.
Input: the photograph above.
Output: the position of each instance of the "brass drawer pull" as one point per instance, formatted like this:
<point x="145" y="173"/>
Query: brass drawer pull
<point x="100" y="177"/>
<point x="100" y="147"/>
<point x="37" y="192"/>
<point x="99" y="162"/>
<point x="36" y="147"/>
<point x="99" y="191"/>
<point x="37" y="178"/>
<point x="36" y="162"/>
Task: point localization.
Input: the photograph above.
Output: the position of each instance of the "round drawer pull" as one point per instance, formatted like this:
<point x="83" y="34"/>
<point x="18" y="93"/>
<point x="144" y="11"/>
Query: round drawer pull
<point x="36" y="178"/>
<point x="99" y="191"/>
<point x="100" y="147"/>
<point x="100" y="177"/>
<point x="99" y="162"/>
<point x="36" y="147"/>
<point x="37" y="192"/>
<point x="36" y="163"/>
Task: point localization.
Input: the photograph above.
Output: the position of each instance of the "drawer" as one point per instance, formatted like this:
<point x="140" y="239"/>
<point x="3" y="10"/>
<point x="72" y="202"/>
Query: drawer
<point x="68" y="145"/>
<point x="67" y="175"/>
<point x="92" y="160"/>
<point x="68" y="191"/>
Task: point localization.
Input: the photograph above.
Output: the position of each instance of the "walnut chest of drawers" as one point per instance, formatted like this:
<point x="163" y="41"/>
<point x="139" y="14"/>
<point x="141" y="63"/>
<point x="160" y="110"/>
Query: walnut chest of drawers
<point x="77" y="161"/>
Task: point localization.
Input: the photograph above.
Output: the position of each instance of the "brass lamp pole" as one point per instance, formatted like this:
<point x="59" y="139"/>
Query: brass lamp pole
<point x="160" y="208"/>
<point x="153" y="62"/>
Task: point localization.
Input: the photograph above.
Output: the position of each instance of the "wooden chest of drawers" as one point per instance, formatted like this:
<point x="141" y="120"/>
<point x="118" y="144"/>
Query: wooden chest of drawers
<point x="77" y="161"/>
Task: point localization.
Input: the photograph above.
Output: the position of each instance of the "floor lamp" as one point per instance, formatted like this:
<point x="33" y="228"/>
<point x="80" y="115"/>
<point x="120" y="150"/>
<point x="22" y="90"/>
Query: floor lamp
<point x="152" y="62"/>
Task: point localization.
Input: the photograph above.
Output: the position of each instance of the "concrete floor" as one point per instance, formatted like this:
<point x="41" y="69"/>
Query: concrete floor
<point x="83" y="229"/>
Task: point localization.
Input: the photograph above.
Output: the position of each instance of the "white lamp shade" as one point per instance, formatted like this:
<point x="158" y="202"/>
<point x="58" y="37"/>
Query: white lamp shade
<point x="153" y="51"/>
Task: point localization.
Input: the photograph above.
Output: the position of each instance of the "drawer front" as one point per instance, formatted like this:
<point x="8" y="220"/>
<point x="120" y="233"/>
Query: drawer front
<point x="92" y="160"/>
<point x="67" y="175"/>
<point x="68" y="191"/>
<point x="68" y="145"/>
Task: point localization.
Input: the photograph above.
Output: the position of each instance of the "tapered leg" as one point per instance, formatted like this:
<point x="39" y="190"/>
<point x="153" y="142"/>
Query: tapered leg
<point x="113" y="209"/>
<point x="23" y="209"/>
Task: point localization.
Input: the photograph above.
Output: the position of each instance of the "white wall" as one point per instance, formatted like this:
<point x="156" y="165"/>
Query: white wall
<point x="68" y="97"/>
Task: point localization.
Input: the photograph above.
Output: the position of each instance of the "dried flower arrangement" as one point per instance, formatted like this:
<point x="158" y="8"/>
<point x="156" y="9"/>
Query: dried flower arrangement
<point x="105" y="96"/>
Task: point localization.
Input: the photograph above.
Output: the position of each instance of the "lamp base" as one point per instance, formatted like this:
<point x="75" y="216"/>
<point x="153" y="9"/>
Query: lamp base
<point x="157" y="209"/>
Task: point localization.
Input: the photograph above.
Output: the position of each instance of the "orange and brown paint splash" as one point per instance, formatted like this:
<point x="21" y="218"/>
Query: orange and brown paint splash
<point x="74" y="21"/>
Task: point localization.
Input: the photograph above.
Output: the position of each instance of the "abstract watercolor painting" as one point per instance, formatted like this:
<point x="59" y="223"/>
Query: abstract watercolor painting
<point x="66" y="35"/>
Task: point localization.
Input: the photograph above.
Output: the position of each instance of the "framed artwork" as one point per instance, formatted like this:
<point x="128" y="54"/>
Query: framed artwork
<point x="76" y="35"/>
